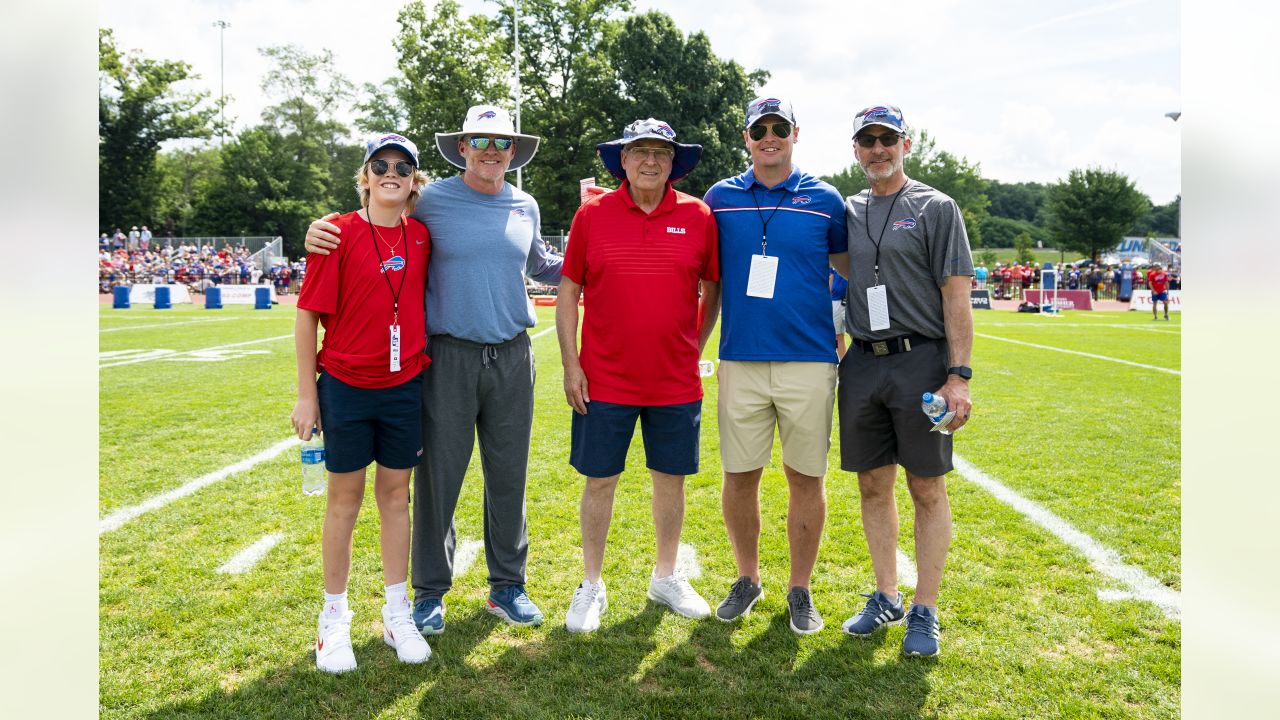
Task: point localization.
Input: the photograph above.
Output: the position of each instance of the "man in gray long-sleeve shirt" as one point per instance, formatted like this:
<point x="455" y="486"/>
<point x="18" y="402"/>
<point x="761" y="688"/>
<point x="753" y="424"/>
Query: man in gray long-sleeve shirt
<point x="485" y="237"/>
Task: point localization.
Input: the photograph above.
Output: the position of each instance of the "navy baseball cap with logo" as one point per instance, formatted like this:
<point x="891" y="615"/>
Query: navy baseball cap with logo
<point x="391" y="140"/>
<point x="889" y="116"/>
<point x="762" y="106"/>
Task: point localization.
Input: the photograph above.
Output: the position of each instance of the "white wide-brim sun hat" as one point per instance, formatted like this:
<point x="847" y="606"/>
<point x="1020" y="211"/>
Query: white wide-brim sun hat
<point x="487" y="120"/>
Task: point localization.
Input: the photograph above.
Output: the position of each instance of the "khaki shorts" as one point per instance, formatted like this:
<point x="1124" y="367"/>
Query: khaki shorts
<point x="797" y="397"/>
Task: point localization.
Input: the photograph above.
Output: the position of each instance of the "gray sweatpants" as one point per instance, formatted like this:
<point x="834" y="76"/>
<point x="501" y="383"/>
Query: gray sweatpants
<point x="471" y="387"/>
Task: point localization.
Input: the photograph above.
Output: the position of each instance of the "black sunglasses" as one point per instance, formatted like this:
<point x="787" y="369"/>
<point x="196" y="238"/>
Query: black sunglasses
<point x="380" y="168"/>
<point x="780" y="129"/>
<point x="867" y="140"/>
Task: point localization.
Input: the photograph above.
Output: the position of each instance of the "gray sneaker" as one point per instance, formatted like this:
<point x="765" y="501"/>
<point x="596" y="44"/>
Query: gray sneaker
<point x="804" y="616"/>
<point x="743" y="595"/>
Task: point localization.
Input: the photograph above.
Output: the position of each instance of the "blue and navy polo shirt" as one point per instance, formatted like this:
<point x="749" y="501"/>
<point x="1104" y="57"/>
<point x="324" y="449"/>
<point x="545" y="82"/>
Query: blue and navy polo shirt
<point x="807" y="225"/>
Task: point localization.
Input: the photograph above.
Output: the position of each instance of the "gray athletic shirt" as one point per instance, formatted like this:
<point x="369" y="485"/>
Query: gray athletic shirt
<point x="482" y="246"/>
<point x="924" y="243"/>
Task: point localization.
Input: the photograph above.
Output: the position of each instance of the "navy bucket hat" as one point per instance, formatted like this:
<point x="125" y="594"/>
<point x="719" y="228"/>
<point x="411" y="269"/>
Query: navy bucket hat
<point x="685" y="160"/>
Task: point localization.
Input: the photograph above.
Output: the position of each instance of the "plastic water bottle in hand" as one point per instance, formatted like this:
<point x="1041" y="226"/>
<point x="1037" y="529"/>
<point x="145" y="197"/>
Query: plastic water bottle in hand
<point x="313" y="474"/>
<point x="935" y="407"/>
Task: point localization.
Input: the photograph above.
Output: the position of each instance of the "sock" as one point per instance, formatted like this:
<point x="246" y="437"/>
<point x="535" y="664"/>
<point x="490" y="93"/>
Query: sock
<point x="398" y="595"/>
<point x="335" y="605"/>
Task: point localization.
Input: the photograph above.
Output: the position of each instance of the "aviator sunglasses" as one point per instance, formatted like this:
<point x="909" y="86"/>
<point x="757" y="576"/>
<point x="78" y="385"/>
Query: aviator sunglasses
<point x="482" y="143"/>
<point x="780" y="129"/>
<point x="380" y="168"/>
<point x="867" y="140"/>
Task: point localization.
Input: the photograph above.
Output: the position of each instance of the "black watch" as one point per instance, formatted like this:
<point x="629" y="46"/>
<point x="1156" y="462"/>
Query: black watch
<point x="963" y="371"/>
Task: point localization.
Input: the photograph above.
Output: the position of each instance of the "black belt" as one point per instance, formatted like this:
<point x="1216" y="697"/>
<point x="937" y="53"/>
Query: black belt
<point x="902" y="343"/>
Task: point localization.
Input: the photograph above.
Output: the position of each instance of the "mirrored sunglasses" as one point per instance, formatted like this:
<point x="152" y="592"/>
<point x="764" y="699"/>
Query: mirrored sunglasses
<point x="780" y="129"/>
<point x="380" y="168"/>
<point x="482" y="143"/>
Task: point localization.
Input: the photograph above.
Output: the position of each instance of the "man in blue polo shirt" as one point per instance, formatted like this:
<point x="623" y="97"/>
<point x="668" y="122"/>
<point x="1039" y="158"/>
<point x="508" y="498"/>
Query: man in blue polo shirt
<point x="780" y="231"/>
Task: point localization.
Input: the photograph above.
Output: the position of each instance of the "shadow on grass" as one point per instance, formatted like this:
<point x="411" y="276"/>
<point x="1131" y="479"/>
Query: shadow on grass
<point x="614" y="672"/>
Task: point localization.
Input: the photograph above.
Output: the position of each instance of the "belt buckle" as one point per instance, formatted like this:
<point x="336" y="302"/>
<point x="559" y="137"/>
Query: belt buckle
<point x="880" y="348"/>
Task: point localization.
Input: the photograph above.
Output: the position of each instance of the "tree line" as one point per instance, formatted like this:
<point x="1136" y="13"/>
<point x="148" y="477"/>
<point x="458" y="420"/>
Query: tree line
<point x="587" y="68"/>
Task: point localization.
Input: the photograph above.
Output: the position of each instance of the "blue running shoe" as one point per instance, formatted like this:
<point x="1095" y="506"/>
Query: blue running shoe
<point x="878" y="612"/>
<point x="921" y="639"/>
<point x="512" y="604"/>
<point x="428" y="615"/>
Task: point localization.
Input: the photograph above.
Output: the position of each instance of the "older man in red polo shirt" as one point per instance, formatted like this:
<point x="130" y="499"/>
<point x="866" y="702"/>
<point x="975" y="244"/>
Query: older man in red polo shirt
<point x="639" y="254"/>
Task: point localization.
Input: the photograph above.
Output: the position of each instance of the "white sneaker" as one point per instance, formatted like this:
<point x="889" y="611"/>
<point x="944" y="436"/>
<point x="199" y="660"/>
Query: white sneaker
<point x="399" y="632"/>
<point x="675" y="592"/>
<point x="589" y="601"/>
<point x="333" y="643"/>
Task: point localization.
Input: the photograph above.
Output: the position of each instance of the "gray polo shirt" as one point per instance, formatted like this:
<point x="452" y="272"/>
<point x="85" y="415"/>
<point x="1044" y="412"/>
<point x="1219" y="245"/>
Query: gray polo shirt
<point x="924" y="243"/>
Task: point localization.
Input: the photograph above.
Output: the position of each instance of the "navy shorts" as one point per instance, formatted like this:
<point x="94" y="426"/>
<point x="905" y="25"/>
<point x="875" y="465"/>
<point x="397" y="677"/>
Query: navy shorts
<point x="362" y="425"/>
<point x="602" y="436"/>
<point x="1160" y="296"/>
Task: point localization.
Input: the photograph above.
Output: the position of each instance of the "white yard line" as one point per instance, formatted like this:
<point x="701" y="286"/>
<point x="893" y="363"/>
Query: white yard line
<point x="1117" y="326"/>
<point x="192" y="352"/>
<point x="154" y="325"/>
<point x="906" y="570"/>
<point x="248" y="557"/>
<point x="1082" y="354"/>
<point x="687" y="561"/>
<point x="1137" y="582"/>
<point x="124" y="515"/>
<point x="543" y="332"/>
<point x="465" y="554"/>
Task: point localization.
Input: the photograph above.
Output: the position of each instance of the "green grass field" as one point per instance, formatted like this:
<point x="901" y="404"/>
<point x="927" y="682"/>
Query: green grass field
<point x="1024" y="631"/>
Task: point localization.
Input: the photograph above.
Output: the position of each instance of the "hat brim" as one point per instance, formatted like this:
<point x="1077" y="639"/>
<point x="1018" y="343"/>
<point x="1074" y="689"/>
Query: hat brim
<point x="891" y="126"/>
<point x="685" y="160"/>
<point x="447" y="144"/>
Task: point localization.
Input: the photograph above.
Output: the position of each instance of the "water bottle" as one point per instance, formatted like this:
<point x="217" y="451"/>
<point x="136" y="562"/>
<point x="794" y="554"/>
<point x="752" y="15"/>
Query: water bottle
<point x="313" y="474"/>
<point x="935" y="407"/>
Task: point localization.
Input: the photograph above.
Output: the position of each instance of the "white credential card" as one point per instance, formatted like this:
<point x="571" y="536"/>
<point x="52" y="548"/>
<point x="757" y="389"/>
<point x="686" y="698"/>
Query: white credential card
<point x="395" y="348"/>
<point x="764" y="272"/>
<point x="878" y="307"/>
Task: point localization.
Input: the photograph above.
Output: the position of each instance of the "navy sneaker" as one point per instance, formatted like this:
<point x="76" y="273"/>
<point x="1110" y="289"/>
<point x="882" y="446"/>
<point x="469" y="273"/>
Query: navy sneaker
<point x="512" y="604"/>
<point x="921" y="639"/>
<point x="878" y="612"/>
<point x="428" y="615"/>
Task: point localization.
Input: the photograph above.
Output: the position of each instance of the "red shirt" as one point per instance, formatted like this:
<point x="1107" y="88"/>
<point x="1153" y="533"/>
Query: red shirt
<point x="640" y="278"/>
<point x="1006" y="274"/>
<point x="1158" y="281"/>
<point x="351" y="294"/>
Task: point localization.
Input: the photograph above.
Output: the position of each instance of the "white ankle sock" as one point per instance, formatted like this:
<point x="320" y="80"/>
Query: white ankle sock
<point x="335" y="605"/>
<point x="397" y="595"/>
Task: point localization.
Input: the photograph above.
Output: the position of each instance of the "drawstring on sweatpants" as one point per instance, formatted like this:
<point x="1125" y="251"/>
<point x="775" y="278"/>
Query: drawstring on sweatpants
<point x="487" y="354"/>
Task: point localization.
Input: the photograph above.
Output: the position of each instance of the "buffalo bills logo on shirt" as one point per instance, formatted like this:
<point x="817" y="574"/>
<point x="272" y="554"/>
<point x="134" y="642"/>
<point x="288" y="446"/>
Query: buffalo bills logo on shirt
<point x="486" y="115"/>
<point x="393" y="263"/>
<point x="517" y="212"/>
<point x="904" y="224"/>
<point x="800" y="200"/>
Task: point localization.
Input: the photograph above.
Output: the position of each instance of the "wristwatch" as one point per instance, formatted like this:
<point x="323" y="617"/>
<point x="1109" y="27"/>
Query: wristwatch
<point x="964" y="371"/>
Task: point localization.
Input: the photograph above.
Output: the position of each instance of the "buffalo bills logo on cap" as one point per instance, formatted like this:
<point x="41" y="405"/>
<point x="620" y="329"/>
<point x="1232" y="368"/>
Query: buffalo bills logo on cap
<point x="767" y="102"/>
<point x="904" y="224"/>
<point x="800" y="200"/>
<point x="395" y="262"/>
<point x="877" y="112"/>
<point x="487" y="114"/>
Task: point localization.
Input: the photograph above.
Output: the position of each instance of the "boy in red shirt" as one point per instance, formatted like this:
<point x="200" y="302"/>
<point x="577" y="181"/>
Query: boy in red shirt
<point x="1158" y="281"/>
<point x="367" y="401"/>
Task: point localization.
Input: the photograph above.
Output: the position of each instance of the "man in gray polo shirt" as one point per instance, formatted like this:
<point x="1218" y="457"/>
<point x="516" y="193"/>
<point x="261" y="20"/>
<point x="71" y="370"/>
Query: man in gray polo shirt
<point x="485" y="238"/>
<point x="912" y="326"/>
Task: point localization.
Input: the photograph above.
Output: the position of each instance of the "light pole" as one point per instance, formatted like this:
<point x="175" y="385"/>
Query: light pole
<point x="222" y="26"/>
<point x="1174" y="115"/>
<point x="515" y="9"/>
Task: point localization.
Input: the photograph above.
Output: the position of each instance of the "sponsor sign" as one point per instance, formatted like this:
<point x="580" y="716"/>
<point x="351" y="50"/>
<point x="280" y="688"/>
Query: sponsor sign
<point x="1141" y="300"/>
<point x="243" y="294"/>
<point x="1066" y="300"/>
<point x="146" y="294"/>
<point x="980" y="299"/>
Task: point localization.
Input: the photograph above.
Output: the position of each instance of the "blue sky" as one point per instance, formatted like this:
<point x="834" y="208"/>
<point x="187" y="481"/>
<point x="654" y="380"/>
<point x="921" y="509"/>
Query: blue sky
<point x="1027" y="90"/>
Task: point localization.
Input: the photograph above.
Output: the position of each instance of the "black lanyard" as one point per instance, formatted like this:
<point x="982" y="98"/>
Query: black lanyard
<point x="764" y="222"/>
<point x="395" y="292"/>
<point x="866" y="223"/>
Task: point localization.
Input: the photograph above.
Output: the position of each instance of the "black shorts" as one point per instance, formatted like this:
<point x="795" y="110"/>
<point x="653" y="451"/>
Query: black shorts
<point x="362" y="425"/>
<point x="880" y="418"/>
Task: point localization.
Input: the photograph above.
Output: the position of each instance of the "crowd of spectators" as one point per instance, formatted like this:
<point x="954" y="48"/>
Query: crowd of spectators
<point x="123" y="260"/>
<point x="1011" y="281"/>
